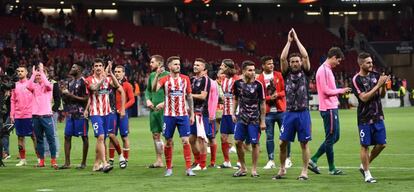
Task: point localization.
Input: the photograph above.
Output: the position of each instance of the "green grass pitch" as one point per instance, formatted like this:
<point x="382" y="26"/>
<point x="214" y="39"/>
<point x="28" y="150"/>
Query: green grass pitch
<point x="393" y="169"/>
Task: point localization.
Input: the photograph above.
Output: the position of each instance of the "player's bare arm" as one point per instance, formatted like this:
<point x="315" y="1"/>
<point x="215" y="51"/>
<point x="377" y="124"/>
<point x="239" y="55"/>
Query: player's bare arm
<point x="66" y="93"/>
<point x="190" y="102"/>
<point x="155" y="86"/>
<point x="123" y="98"/>
<point x="234" y="110"/>
<point x="367" y="96"/>
<point x="114" y="83"/>
<point x="86" y="112"/>
<point x="383" y="89"/>
<point x="262" y="115"/>
<point x="201" y="96"/>
<point x="283" y="56"/>
<point x="302" y="50"/>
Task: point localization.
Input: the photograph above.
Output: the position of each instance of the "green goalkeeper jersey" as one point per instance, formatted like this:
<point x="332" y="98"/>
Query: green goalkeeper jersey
<point x="155" y="97"/>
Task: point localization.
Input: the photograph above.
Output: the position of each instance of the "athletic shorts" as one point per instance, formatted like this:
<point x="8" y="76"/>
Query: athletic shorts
<point x="296" y="122"/>
<point x="100" y="125"/>
<point x="122" y="125"/>
<point x="181" y="122"/>
<point x="372" y="134"/>
<point x="76" y="127"/>
<point x="213" y="128"/>
<point x="249" y="133"/>
<point x="156" y="121"/>
<point x="207" y="126"/>
<point x="227" y="125"/>
<point x="24" y="127"/>
<point x="111" y="123"/>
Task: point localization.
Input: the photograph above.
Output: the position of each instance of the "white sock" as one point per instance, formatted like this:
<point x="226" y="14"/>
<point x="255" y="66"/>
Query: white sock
<point x="367" y="174"/>
<point x="121" y="157"/>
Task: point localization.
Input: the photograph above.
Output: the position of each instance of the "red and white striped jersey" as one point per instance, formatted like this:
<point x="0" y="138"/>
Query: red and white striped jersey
<point x="227" y="87"/>
<point x="175" y="90"/>
<point x="99" y="100"/>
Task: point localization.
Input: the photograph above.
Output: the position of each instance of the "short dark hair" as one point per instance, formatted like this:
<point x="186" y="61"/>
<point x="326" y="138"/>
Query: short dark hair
<point x="172" y="58"/>
<point x="229" y="63"/>
<point x="208" y="67"/>
<point x="121" y="67"/>
<point x="294" y="54"/>
<point x="98" y="60"/>
<point x="335" y="52"/>
<point x="158" y="58"/>
<point x="22" y="66"/>
<point x="362" y="56"/>
<point x="265" y="58"/>
<point x="80" y="64"/>
<point x="247" y="63"/>
<point x="200" y="60"/>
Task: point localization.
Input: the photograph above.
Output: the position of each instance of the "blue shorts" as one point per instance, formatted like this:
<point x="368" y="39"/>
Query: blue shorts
<point x="100" y="125"/>
<point x="372" y="134"/>
<point x="111" y="123"/>
<point x="76" y="127"/>
<point x="207" y="127"/>
<point x="24" y="127"/>
<point x="122" y="125"/>
<point x="296" y="122"/>
<point x="212" y="126"/>
<point x="249" y="133"/>
<point x="181" y="122"/>
<point x="226" y="125"/>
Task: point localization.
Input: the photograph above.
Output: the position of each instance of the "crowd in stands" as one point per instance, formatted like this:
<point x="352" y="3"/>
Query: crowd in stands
<point x="21" y="46"/>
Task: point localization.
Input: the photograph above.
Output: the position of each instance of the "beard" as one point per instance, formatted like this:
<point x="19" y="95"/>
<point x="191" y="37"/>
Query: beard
<point x="154" y="69"/>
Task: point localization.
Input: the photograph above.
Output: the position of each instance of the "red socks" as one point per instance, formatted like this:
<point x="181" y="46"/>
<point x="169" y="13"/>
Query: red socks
<point x="168" y="156"/>
<point x="187" y="155"/>
<point x="196" y="157"/>
<point x="111" y="153"/>
<point x="22" y="153"/>
<point x="213" y="149"/>
<point x="225" y="148"/>
<point x="126" y="153"/>
<point x="203" y="158"/>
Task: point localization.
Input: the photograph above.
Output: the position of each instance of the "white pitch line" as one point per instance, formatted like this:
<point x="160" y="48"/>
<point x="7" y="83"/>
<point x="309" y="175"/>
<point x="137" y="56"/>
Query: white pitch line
<point x="395" y="168"/>
<point x="357" y="154"/>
